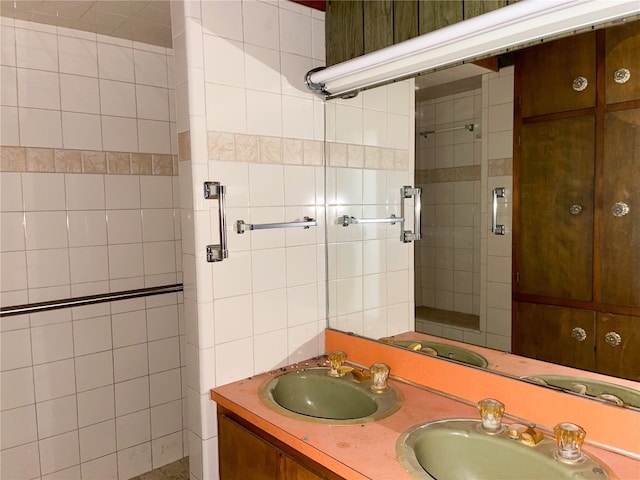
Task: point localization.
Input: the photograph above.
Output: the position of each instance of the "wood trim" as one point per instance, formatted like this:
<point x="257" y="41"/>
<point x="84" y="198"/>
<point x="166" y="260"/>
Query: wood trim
<point x="316" y="4"/>
<point x="598" y="167"/>
<point x="286" y="449"/>
<point x="561" y="302"/>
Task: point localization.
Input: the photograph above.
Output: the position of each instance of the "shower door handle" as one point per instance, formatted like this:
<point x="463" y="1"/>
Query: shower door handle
<point x="407" y="236"/>
<point x="215" y="190"/>
<point x="495" y="228"/>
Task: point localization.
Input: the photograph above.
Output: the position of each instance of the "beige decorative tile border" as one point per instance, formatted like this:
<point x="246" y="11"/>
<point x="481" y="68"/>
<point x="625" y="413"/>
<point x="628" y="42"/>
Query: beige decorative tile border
<point x="236" y="147"/>
<point x="56" y="160"/>
<point x="454" y="174"/>
<point x="500" y="167"/>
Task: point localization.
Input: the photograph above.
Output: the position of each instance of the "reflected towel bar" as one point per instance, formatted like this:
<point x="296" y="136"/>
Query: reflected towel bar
<point x="88" y="300"/>
<point x="346" y="220"/>
<point x="470" y="126"/>
<point x="242" y="227"/>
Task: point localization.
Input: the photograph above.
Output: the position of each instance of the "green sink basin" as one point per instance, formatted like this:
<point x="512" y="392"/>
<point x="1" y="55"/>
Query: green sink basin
<point x="590" y="387"/>
<point x="311" y="394"/>
<point x="456" y="449"/>
<point x="444" y="350"/>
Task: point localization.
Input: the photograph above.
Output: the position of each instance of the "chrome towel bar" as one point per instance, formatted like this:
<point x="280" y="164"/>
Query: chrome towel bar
<point x="407" y="236"/>
<point x="215" y="190"/>
<point x="242" y="227"/>
<point x="88" y="300"/>
<point x="346" y="220"/>
<point x="495" y="227"/>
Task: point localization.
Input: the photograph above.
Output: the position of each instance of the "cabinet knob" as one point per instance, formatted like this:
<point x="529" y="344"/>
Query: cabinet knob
<point x="579" y="84"/>
<point x="579" y="334"/>
<point x="619" y="209"/>
<point x="622" y="75"/>
<point x="575" y="209"/>
<point x="613" y="338"/>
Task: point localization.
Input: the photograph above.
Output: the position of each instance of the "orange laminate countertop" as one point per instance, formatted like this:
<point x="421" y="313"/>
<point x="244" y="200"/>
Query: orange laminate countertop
<point x="367" y="451"/>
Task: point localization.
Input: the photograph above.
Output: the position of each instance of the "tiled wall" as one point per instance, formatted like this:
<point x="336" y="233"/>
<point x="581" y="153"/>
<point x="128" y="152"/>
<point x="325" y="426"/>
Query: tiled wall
<point x="370" y="157"/>
<point x="95" y="391"/>
<point x="496" y="129"/>
<point x="448" y="169"/>
<point x="64" y="88"/>
<point x="245" y="119"/>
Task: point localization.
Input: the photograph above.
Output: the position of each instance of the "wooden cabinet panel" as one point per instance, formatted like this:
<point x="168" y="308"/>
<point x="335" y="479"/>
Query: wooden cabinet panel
<point x="620" y="235"/>
<point x="556" y="172"/>
<point x="621" y="360"/>
<point x="378" y="25"/>
<point x="344" y="29"/>
<point x="473" y="8"/>
<point x="548" y="72"/>
<point x="405" y="20"/>
<point x="545" y="332"/>
<point x="435" y="14"/>
<point x="622" y="46"/>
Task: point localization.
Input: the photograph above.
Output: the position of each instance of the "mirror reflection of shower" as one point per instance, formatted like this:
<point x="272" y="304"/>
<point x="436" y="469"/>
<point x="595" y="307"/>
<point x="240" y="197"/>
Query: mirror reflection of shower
<point x="448" y="159"/>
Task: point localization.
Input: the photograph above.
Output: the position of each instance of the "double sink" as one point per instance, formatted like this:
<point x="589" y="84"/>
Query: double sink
<point x="452" y="448"/>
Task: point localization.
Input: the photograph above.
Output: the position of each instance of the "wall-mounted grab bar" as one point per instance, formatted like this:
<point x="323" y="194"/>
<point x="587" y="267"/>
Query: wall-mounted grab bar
<point x="214" y="190"/>
<point x="242" y="227"/>
<point x="495" y="227"/>
<point x="407" y="236"/>
<point x="88" y="300"/>
<point x="470" y="126"/>
<point x="346" y="220"/>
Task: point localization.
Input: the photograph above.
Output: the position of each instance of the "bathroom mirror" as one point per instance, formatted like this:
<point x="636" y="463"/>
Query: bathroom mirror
<point x="455" y="283"/>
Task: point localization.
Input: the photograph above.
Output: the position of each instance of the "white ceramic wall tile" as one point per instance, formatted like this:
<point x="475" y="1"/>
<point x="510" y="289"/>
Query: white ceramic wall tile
<point x="8" y="47"/>
<point x="17" y="388"/>
<point x="86" y="228"/>
<point x="36" y="50"/>
<point x="162" y="322"/>
<point x="159" y="257"/>
<point x="132" y="395"/>
<point x="9" y="87"/>
<point x="18" y="426"/>
<point x="48" y="268"/>
<point x="22" y="461"/>
<point x="81" y="131"/>
<point x="166" y="419"/>
<point x="93" y="371"/>
<point x="233" y="318"/>
<point x="270" y="351"/>
<point x="133" y="429"/>
<point x="260" y="22"/>
<point x="262" y="69"/>
<point x="95" y="406"/>
<point x="11" y="191"/>
<point x="79" y="94"/>
<point x="266" y="185"/>
<point x="45" y="230"/>
<point x="302" y="341"/>
<point x="97" y="440"/>
<point x="105" y="467"/>
<point x="42" y="192"/>
<point x="221" y="51"/>
<point x="59" y="452"/>
<point x="269" y="311"/>
<point x="130" y="362"/>
<point x="119" y="134"/>
<point x="167" y="449"/>
<point x="154" y="136"/>
<point x="51" y="343"/>
<point x="54" y="380"/>
<point x="40" y="128"/>
<point x="165" y="387"/>
<point x="57" y="416"/>
<point x="301" y="265"/>
<point x="115" y="62"/>
<point x="164" y="355"/>
<point x="152" y="102"/>
<point x="9" y="130"/>
<point x="124" y="226"/>
<point x="150" y="68"/>
<point x="233" y="361"/>
<point x="264" y="113"/>
<point x="13" y="275"/>
<point x="297" y="117"/>
<point x="38" y="89"/>
<point x="134" y="461"/>
<point x="78" y="56"/>
<point x="92" y="335"/>
<point x="295" y="33"/>
<point x="154" y="191"/>
<point x="125" y="261"/>
<point x="226" y="108"/>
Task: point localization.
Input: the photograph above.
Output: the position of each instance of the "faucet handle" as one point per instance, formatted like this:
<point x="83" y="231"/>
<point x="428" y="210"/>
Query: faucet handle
<point x="491" y="412"/>
<point x="336" y="361"/>
<point x="569" y="438"/>
<point x="380" y="373"/>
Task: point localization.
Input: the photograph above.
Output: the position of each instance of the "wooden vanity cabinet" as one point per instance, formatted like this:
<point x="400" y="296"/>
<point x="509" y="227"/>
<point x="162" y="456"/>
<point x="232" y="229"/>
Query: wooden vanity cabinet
<point x="576" y="237"/>
<point x="246" y="452"/>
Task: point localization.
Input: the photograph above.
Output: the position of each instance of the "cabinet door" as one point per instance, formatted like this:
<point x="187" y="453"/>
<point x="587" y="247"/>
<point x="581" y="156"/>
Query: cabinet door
<point x="549" y="333"/>
<point x="548" y="73"/>
<point x="344" y="28"/>
<point x="378" y="25"/>
<point x="405" y="20"/>
<point x="622" y="50"/>
<point x="555" y="242"/>
<point x="473" y="8"/>
<point x="435" y="14"/>
<point x="620" y="359"/>
<point x="620" y="223"/>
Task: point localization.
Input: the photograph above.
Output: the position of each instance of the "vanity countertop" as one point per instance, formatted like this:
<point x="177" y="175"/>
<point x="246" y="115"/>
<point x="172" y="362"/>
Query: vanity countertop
<point x="367" y="450"/>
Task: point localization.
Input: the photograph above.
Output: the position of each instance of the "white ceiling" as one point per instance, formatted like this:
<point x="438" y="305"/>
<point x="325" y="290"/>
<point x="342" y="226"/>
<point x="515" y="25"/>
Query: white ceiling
<point x="147" y="21"/>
